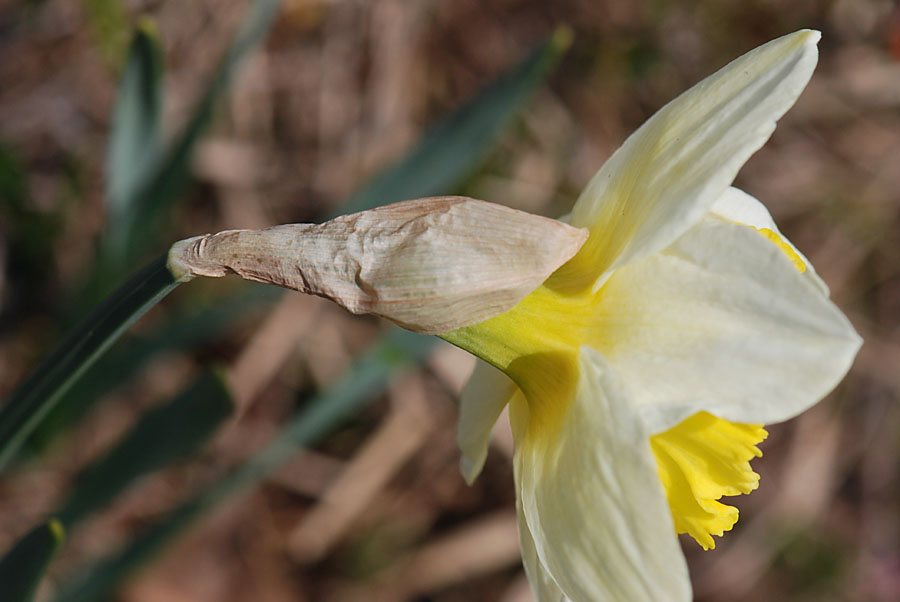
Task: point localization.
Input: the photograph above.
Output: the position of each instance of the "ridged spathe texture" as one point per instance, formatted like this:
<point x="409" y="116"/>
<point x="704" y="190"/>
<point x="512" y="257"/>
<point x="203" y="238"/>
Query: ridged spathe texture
<point x="430" y="265"/>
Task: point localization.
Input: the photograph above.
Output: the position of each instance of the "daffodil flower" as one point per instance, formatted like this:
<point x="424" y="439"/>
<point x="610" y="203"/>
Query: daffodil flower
<point x="640" y="345"/>
<point x="639" y="374"/>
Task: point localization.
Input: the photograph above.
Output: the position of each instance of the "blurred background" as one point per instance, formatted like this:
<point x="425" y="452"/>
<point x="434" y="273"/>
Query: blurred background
<point x="338" y="90"/>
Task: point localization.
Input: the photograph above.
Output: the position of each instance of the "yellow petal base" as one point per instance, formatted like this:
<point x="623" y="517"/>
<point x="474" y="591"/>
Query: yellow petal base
<point x="536" y="344"/>
<point x="700" y="460"/>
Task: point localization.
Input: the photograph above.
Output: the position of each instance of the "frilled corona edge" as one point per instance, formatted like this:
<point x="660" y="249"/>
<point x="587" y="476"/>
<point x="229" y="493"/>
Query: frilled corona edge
<point x="430" y="265"/>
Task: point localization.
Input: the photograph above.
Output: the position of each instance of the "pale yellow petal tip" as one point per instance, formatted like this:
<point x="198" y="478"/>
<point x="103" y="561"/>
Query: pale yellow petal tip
<point x="811" y="36"/>
<point x="470" y="468"/>
<point x="802" y="44"/>
<point x="802" y="37"/>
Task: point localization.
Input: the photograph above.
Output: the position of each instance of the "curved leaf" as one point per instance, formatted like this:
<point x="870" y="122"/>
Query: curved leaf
<point x="58" y="371"/>
<point x="23" y="566"/>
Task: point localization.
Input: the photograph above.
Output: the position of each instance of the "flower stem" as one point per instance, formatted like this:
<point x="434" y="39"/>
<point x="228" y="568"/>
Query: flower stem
<point x="35" y="397"/>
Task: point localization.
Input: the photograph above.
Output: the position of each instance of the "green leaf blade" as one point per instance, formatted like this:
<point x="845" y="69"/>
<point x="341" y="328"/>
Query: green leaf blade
<point x="183" y="332"/>
<point x="25" y="563"/>
<point x="154" y="201"/>
<point x="161" y="436"/>
<point x="135" y="140"/>
<point x="40" y="392"/>
<point x="458" y="143"/>
<point x="370" y="374"/>
<point x="149" y="206"/>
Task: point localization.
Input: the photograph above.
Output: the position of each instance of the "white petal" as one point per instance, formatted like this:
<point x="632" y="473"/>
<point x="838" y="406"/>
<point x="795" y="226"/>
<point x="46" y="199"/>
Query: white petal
<point x="485" y="395"/>
<point x="737" y="206"/>
<point x="669" y="172"/>
<point x="593" y="501"/>
<point x="722" y="321"/>
<point x="542" y="585"/>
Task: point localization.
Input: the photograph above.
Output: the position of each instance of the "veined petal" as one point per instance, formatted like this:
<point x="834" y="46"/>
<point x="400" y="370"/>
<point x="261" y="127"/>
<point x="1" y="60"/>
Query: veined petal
<point x="737" y="206"/>
<point x="722" y="321"/>
<point x="543" y="587"/>
<point x="485" y="395"/>
<point x="669" y="172"/>
<point x="592" y="498"/>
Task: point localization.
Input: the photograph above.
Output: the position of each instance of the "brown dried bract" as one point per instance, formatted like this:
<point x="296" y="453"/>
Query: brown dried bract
<point x="431" y="265"/>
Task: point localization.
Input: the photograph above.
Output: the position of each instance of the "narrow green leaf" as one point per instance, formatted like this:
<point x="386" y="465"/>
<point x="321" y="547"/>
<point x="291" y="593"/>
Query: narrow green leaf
<point x="367" y="377"/>
<point x="161" y="436"/>
<point x="31" y="401"/>
<point x="154" y="201"/>
<point x="23" y="566"/>
<point x="186" y="330"/>
<point x="135" y="141"/>
<point x="456" y="145"/>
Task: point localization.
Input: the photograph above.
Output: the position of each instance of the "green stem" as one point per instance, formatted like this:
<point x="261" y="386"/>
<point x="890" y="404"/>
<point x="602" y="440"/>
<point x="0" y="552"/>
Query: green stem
<point x="35" y="397"/>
